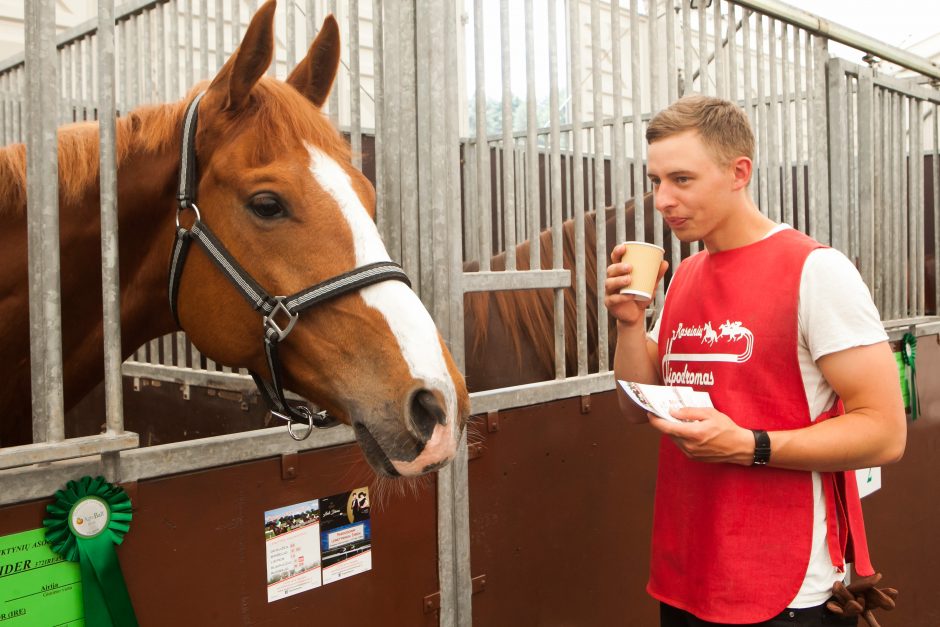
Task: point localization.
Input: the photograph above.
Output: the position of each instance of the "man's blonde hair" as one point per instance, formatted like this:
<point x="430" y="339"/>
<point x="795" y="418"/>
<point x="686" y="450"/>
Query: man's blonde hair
<point x="722" y="125"/>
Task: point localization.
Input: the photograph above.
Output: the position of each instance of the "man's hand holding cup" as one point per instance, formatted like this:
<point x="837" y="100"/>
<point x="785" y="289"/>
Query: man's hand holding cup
<point x="636" y="269"/>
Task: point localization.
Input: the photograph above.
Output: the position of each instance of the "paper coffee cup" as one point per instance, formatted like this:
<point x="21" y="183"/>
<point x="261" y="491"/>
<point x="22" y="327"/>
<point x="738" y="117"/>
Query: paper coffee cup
<point x="645" y="259"/>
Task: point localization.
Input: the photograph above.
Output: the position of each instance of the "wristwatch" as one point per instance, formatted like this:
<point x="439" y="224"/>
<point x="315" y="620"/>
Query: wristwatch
<point x="761" y="447"/>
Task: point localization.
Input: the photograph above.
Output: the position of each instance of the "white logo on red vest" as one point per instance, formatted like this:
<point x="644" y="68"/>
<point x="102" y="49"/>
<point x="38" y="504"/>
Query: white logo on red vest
<point x="727" y="337"/>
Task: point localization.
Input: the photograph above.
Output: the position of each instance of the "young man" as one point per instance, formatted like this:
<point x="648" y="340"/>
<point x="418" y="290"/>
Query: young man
<point x="755" y="518"/>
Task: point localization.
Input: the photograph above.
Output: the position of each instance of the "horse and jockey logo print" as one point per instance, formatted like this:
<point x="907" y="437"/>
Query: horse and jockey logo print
<point x="728" y="341"/>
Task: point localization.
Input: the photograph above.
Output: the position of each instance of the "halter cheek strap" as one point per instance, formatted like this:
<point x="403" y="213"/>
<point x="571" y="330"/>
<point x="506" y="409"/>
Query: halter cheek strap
<point x="279" y="313"/>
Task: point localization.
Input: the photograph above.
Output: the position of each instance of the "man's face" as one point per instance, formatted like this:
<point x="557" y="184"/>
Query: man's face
<point x="692" y="191"/>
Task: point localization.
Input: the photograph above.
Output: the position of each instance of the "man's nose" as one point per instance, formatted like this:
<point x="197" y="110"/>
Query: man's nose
<point x="663" y="197"/>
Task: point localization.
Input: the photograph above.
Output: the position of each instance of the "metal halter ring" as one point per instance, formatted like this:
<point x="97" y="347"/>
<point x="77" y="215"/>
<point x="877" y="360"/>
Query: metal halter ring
<point x="180" y="210"/>
<point x="309" y="429"/>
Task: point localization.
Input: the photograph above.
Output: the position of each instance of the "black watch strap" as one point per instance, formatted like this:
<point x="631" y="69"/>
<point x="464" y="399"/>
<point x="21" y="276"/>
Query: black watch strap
<point x="761" y="447"/>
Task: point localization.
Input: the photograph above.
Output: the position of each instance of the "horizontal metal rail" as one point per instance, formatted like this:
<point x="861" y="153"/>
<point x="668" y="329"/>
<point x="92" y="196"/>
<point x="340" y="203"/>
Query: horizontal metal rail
<point x="515" y="280"/>
<point x="36" y="481"/>
<point x="30" y="482"/>
<point x="918" y="327"/>
<point x="87" y="28"/>
<point x="901" y="85"/>
<point x="541" y="392"/>
<point x="13" y="456"/>
<point x="189" y="376"/>
<point x="844" y="35"/>
<point x="185" y="376"/>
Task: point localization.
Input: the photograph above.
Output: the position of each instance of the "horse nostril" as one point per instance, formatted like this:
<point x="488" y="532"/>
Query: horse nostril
<point x="426" y="413"/>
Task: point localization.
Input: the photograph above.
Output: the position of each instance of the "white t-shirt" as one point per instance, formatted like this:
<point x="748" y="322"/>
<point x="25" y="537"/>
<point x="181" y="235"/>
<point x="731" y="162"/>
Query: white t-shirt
<point x="836" y="312"/>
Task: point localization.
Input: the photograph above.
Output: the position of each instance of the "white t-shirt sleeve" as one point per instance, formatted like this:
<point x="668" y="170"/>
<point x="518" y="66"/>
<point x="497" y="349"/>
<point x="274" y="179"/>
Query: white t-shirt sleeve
<point x="653" y="334"/>
<point x="836" y="310"/>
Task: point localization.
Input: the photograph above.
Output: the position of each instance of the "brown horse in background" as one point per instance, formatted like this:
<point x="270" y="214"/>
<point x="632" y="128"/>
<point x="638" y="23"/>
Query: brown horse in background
<point x="509" y="334"/>
<point x="277" y="187"/>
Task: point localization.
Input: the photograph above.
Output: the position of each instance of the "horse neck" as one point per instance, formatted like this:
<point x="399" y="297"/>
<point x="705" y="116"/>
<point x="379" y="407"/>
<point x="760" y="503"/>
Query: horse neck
<point x="147" y="179"/>
<point x="147" y="151"/>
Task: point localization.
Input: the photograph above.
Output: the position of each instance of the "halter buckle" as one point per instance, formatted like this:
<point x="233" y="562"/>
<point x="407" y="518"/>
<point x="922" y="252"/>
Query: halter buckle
<point x="271" y="323"/>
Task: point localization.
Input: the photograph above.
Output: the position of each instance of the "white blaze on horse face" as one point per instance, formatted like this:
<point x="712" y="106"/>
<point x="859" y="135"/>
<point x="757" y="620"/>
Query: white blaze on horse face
<point x="409" y="321"/>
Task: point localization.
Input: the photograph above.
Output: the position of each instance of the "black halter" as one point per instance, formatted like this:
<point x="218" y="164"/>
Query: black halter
<point x="286" y="308"/>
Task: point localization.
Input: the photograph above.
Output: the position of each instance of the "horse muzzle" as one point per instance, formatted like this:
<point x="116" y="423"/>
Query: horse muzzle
<point x="424" y="440"/>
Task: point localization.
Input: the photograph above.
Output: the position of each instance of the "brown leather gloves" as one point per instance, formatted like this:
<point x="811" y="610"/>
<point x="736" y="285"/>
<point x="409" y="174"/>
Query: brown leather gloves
<point x="860" y="597"/>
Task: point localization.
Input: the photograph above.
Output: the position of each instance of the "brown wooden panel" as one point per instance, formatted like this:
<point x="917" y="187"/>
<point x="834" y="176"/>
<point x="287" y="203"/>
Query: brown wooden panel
<point x="903" y="518"/>
<point x="561" y="507"/>
<point x="195" y="554"/>
<point x="560" y="515"/>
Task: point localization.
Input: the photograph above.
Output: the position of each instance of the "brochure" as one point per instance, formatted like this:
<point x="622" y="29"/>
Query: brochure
<point x="660" y="399"/>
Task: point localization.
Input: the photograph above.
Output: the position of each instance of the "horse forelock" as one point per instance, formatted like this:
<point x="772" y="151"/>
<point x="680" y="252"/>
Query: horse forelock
<point x="277" y="118"/>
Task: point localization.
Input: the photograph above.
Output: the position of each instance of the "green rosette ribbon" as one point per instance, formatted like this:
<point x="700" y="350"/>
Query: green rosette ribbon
<point x="902" y="377"/>
<point x="88" y="518"/>
<point x="909" y="358"/>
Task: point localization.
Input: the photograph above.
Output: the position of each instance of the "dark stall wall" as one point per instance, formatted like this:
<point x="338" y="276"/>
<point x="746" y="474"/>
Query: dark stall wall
<point x="561" y="508"/>
<point x="560" y="511"/>
<point x="560" y="515"/>
<point x="903" y="518"/>
<point x="195" y="554"/>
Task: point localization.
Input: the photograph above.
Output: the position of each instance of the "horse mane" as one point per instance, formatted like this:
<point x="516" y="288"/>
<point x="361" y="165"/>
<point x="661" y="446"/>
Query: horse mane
<point x="530" y="314"/>
<point x="148" y="129"/>
<point x="12" y="177"/>
<point x="152" y="129"/>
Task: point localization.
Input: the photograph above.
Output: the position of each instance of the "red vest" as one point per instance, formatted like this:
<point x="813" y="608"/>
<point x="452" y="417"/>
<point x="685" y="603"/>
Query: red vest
<point x="732" y="543"/>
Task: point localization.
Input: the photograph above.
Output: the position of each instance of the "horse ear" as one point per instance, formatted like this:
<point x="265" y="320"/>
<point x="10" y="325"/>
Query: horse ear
<point x="313" y="77"/>
<point x="249" y="61"/>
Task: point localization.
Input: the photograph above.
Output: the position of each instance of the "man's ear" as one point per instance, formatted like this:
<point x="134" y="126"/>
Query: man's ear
<point x="742" y="169"/>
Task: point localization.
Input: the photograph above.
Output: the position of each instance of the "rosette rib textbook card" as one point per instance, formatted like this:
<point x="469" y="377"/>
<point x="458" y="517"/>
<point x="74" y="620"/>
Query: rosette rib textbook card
<point x="660" y="399"/>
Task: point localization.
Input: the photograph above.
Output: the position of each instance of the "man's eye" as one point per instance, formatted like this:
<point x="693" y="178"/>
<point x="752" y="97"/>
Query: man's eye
<point x="266" y="206"/>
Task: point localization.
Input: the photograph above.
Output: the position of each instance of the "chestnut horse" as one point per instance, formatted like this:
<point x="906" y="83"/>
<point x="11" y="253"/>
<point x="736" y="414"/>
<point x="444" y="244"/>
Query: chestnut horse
<point x="509" y="335"/>
<point x="276" y="185"/>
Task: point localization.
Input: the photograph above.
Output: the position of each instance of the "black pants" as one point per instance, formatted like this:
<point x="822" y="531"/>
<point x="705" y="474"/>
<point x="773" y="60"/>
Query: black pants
<point x="817" y="616"/>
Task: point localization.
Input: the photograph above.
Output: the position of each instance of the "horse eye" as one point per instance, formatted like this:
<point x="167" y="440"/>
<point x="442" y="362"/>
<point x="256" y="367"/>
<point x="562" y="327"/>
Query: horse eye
<point x="266" y="206"/>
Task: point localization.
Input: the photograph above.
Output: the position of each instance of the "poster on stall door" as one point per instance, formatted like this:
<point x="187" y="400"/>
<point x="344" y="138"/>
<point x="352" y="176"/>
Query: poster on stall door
<point x="292" y="546"/>
<point x="345" y="534"/>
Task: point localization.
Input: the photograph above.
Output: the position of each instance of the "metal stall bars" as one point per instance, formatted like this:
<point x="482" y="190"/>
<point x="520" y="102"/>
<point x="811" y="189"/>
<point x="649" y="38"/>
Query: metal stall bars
<point x="140" y="29"/>
<point x="153" y="30"/>
<point x="39" y="68"/>
<point x="773" y="60"/>
<point x="879" y="159"/>
<point x="419" y="166"/>
<point x="780" y="103"/>
<point x="45" y="328"/>
<point x="418" y="182"/>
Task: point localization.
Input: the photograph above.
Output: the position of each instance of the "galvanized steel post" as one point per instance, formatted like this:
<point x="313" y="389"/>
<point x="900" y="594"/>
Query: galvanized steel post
<point x="45" y="310"/>
<point x="107" y="165"/>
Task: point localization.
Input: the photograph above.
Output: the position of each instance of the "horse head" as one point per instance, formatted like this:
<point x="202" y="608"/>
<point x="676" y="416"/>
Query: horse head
<point x="276" y="185"/>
